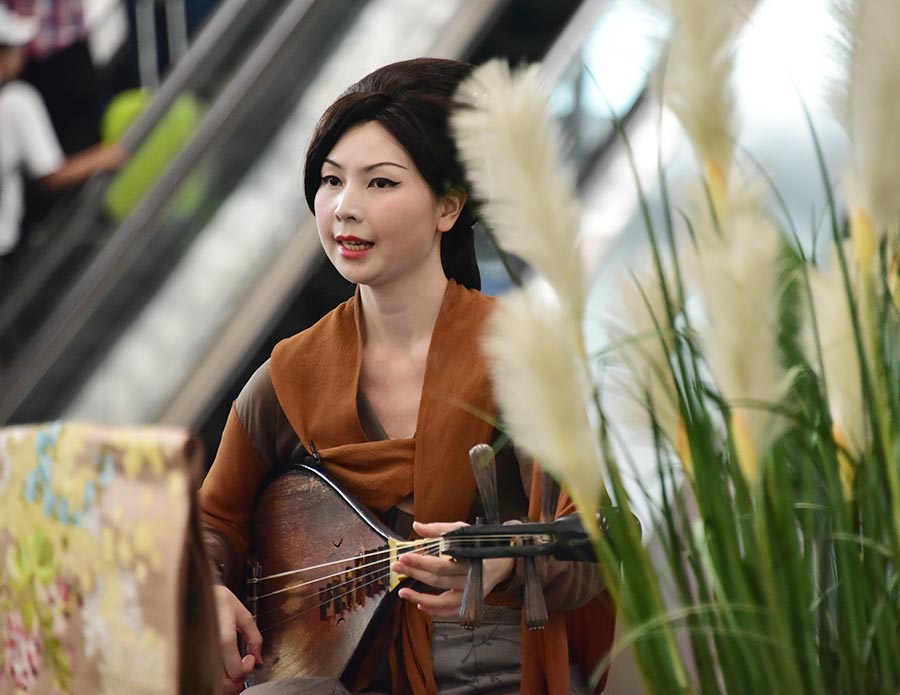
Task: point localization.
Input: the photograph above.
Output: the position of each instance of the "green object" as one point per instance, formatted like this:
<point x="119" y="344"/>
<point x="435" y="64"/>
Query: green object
<point x="154" y="155"/>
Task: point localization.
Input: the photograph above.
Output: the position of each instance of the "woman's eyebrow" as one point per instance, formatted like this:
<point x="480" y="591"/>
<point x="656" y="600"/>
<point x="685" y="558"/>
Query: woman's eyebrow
<point x="370" y="167"/>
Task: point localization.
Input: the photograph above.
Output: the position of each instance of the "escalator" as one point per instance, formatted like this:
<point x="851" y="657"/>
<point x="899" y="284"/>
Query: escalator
<point x="180" y="301"/>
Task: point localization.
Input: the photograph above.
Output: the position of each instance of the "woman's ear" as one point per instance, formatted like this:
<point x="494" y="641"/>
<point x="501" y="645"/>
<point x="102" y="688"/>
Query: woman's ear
<point x="450" y="205"/>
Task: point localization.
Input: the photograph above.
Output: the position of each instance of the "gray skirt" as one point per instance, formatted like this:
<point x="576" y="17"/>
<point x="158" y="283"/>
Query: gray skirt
<point x="483" y="661"/>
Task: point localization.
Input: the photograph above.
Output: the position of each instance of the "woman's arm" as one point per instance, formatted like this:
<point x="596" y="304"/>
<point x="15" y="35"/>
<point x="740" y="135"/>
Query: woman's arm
<point x="249" y="447"/>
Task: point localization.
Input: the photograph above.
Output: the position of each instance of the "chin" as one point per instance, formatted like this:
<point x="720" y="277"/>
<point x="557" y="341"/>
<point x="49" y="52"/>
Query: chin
<point x="356" y="275"/>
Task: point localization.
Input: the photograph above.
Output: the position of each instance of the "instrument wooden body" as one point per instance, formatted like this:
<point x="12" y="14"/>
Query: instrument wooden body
<point x="320" y="579"/>
<point x="303" y="520"/>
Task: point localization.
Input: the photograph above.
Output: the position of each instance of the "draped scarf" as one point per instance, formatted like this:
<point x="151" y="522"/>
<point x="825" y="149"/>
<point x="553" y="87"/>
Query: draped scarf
<point x="315" y="375"/>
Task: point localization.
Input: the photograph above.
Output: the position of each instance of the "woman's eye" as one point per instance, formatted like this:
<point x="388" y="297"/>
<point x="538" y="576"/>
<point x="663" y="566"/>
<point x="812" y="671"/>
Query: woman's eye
<point x="382" y="183"/>
<point x="331" y="180"/>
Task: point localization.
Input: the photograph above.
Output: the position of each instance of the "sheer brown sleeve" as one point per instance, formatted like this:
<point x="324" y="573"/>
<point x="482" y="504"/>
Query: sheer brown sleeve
<point x="255" y="436"/>
<point x="227" y="497"/>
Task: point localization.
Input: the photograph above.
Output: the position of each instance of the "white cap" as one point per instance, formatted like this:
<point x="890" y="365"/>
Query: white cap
<point x="16" y="30"/>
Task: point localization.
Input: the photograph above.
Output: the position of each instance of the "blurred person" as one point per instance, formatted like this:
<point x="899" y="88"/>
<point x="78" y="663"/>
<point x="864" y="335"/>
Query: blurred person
<point x="28" y="145"/>
<point x="61" y="68"/>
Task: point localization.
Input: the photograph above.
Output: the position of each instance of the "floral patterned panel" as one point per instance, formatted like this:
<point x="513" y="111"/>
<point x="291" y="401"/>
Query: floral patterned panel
<point x="98" y="568"/>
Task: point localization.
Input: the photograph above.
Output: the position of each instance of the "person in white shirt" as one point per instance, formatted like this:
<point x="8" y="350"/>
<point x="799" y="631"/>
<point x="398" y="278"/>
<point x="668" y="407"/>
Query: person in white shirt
<point x="28" y="144"/>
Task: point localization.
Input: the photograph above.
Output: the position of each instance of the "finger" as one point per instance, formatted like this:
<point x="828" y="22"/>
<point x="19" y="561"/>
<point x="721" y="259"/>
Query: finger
<point x="435" y="564"/>
<point x="236" y="684"/>
<point x="444" y="605"/>
<point x="436" y="528"/>
<point x="246" y="625"/>
<point x="439" y="573"/>
<point x="231" y="657"/>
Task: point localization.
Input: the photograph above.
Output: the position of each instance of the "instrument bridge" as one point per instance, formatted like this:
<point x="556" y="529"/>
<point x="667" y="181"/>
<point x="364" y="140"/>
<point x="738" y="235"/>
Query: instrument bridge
<point x="349" y="589"/>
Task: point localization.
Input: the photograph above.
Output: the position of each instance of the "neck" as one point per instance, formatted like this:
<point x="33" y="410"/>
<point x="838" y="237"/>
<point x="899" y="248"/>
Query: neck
<point x="398" y="316"/>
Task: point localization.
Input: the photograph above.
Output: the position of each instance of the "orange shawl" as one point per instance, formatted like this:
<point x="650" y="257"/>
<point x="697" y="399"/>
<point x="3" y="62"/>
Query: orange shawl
<point x="315" y="375"/>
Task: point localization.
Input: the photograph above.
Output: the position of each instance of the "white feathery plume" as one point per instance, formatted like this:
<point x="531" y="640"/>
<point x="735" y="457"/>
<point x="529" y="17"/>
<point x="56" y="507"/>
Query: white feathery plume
<point x="643" y="346"/>
<point x="544" y="392"/>
<point x="738" y="278"/>
<point x="840" y="359"/>
<point x="510" y="148"/>
<point x="696" y="76"/>
<point x="867" y="101"/>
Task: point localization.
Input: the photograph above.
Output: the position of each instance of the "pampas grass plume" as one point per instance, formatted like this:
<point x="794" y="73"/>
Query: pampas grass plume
<point x="543" y="392"/>
<point x="510" y="148"/>
<point x="643" y="344"/>
<point x="867" y="101"/>
<point x="695" y="80"/>
<point x="738" y="276"/>
<point x="840" y="359"/>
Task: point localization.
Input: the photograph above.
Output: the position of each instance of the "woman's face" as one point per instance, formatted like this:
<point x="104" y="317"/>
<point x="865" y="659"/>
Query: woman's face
<point x="379" y="221"/>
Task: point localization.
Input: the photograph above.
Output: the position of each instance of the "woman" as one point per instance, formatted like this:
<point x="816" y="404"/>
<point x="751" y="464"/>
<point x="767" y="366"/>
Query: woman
<point x="374" y="389"/>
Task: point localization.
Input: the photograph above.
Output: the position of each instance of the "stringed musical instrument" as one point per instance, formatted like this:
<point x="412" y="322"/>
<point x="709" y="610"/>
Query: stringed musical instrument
<point x="318" y="597"/>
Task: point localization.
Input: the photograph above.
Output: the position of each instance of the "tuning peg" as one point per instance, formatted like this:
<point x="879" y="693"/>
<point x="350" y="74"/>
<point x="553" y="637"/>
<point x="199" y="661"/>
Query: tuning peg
<point x="534" y="606"/>
<point x="484" y="468"/>
<point x="471" y="612"/>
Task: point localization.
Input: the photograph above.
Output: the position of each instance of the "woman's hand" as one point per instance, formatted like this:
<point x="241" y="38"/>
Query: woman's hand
<point x="445" y="573"/>
<point x="234" y="618"/>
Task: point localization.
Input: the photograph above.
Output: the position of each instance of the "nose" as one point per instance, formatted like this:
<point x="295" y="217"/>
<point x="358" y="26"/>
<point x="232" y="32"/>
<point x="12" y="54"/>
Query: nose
<point x="347" y="208"/>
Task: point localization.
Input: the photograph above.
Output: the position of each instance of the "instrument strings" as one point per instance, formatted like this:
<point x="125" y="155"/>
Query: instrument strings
<point x="372" y="559"/>
<point x="373" y="577"/>
<point x="341" y="561"/>
<point x="428" y="549"/>
<point x="417" y="546"/>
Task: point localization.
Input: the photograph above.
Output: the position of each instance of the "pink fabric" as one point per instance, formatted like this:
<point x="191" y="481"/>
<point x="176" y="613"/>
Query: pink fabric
<point x="62" y="23"/>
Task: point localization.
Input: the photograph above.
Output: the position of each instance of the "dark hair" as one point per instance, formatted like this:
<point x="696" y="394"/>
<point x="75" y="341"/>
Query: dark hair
<point x="412" y="100"/>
